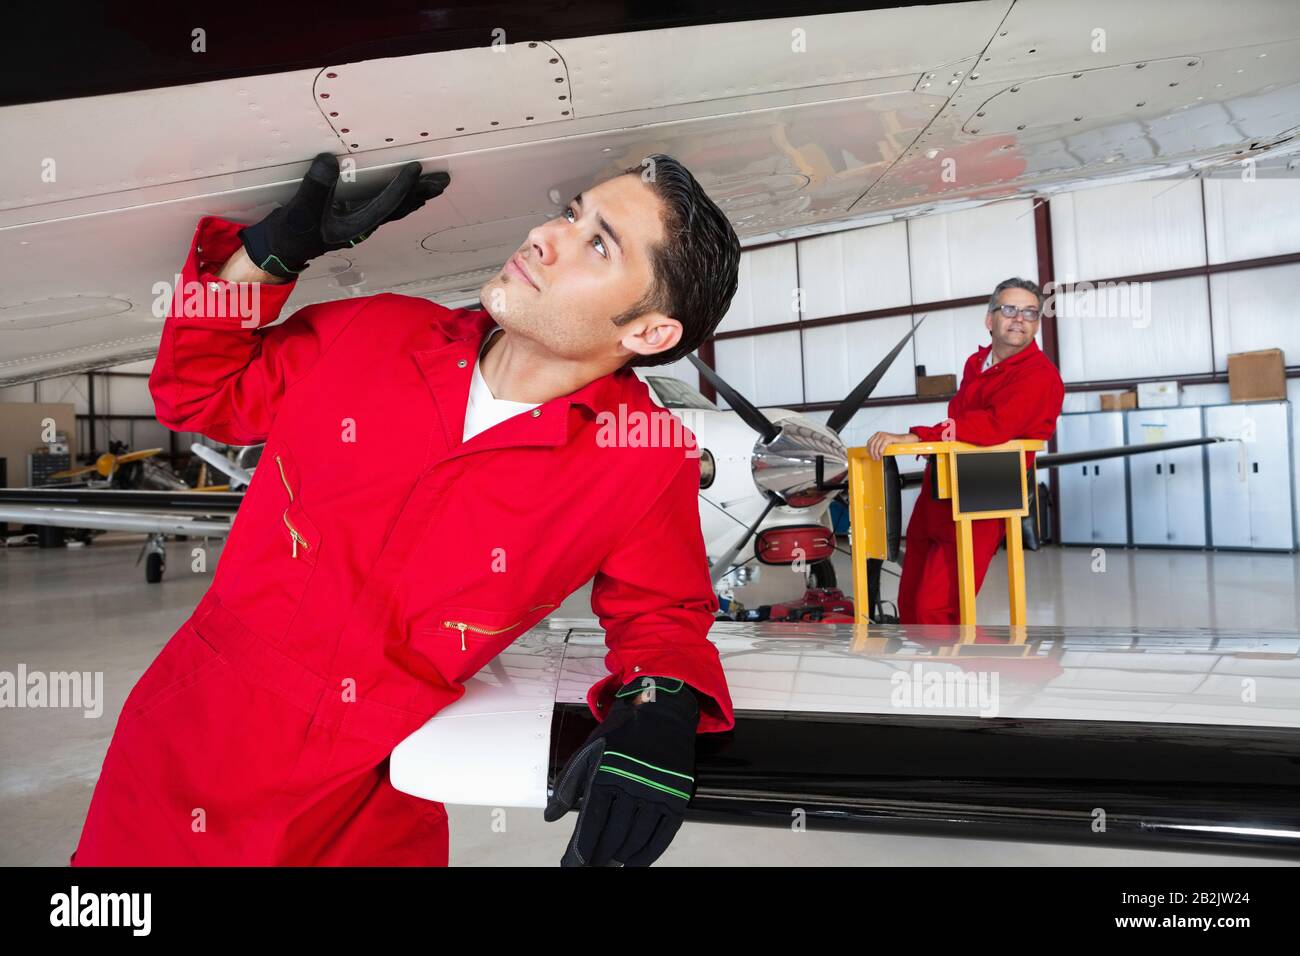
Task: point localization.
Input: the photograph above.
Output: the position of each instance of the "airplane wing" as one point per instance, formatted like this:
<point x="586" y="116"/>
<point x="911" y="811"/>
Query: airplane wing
<point x="116" y="509"/>
<point x="194" y="513"/>
<point x="1057" y="459"/>
<point x="882" y="114"/>
<point x="114" y="499"/>
<point x="860" y="730"/>
<point x="106" y="520"/>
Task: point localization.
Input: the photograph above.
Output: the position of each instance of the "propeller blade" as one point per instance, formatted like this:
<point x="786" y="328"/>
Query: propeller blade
<point x="749" y="413"/>
<point x="846" y="409"/>
<point x="73" y="472"/>
<point x="723" y="564"/>
<point x="137" y="455"/>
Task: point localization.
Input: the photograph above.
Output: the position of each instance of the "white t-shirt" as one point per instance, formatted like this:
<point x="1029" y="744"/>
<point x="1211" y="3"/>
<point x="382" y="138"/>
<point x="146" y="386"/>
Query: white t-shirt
<point x="988" y="361"/>
<point x="483" y="410"/>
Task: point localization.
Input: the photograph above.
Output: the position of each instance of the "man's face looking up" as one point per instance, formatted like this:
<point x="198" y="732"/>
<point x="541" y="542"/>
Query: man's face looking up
<point x="577" y="272"/>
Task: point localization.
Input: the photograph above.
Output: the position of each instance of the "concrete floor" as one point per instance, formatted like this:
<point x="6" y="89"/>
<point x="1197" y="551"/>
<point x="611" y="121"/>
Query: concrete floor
<point x="90" y="610"/>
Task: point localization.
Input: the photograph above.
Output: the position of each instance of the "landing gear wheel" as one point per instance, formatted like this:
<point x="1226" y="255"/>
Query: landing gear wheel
<point x="154" y="553"/>
<point x="823" y="573"/>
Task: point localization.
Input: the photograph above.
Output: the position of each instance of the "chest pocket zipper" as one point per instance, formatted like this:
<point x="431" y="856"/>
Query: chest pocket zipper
<point x="296" y="538"/>
<point x="463" y="627"/>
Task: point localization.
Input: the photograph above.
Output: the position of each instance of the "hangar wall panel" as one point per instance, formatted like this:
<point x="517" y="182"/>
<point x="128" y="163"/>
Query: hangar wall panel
<point x="1256" y="309"/>
<point x="969" y="252"/>
<point x="1214" y="393"/>
<point x="836" y="357"/>
<point x="764" y="369"/>
<point x="124" y="396"/>
<point x="855" y="271"/>
<point x="17" y="393"/>
<point x="764" y="290"/>
<point x="1127" y="229"/>
<point x="1249" y="220"/>
<point x="1137" y="330"/>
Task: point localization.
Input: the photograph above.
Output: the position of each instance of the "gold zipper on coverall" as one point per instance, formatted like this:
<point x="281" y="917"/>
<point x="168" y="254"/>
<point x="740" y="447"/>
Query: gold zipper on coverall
<point x="297" y="538"/>
<point x="463" y="627"/>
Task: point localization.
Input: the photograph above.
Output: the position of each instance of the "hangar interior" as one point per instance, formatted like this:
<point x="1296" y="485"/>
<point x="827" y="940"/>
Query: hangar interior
<point x="1214" y="265"/>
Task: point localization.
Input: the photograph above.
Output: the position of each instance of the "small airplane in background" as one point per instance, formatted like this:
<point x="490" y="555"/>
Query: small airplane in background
<point x="118" y="501"/>
<point x="119" y="468"/>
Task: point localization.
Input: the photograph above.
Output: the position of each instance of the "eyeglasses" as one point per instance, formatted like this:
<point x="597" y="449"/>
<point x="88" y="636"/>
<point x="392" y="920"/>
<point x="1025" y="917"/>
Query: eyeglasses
<point x="1010" y="311"/>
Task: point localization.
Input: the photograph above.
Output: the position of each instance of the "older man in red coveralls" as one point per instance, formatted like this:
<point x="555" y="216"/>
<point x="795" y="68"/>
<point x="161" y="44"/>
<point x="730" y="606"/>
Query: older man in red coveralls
<point x="1009" y="389"/>
<point x="378" y="560"/>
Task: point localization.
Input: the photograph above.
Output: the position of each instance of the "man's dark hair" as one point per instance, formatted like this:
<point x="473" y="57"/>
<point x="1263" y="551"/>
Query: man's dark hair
<point x="1016" y="283"/>
<point x="696" y="266"/>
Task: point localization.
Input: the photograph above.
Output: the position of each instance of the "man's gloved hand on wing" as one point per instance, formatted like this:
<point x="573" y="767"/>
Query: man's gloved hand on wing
<point x="634" y="774"/>
<point x="313" y="222"/>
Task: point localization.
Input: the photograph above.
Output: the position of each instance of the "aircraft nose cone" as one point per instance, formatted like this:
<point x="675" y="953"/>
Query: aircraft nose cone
<point x="787" y="466"/>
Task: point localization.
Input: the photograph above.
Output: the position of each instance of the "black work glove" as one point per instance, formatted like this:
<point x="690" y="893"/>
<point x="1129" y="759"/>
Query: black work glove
<point x="635" y="775"/>
<point x="313" y="223"/>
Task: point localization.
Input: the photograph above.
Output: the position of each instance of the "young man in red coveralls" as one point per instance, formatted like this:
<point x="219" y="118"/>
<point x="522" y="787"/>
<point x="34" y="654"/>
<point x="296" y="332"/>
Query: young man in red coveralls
<point x="358" y="590"/>
<point x="1009" y="389"/>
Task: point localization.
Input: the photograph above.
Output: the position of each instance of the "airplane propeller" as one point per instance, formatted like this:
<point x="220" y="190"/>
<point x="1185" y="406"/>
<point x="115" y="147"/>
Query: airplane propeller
<point x="723" y="564"/>
<point x="840" y="415"/>
<point x="769" y="431"/>
<point x="845" y="410"/>
<point x="748" y="412"/>
<point x="108" y="463"/>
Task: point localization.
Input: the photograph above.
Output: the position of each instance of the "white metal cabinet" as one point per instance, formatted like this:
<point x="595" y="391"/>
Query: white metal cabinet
<point x="1073" y="485"/>
<point x="1226" y="470"/>
<point x="1250" y="479"/>
<point x="1109" y="481"/>
<point x="1167" y="488"/>
<point x="1093" y="496"/>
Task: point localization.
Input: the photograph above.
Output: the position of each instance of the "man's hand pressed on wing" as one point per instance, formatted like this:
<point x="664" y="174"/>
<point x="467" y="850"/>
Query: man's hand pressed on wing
<point x="313" y="222"/>
<point x="634" y="774"/>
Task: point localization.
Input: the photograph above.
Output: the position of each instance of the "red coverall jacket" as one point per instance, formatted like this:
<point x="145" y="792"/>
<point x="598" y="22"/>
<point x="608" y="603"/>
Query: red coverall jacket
<point x="1018" y="397"/>
<point x="369" y="535"/>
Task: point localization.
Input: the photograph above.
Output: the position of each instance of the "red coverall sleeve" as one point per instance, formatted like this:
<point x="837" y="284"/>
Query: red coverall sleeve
<point x="219" y="372"/>
<point x="1027" y="409"/>
<point x="655" y="601"/>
